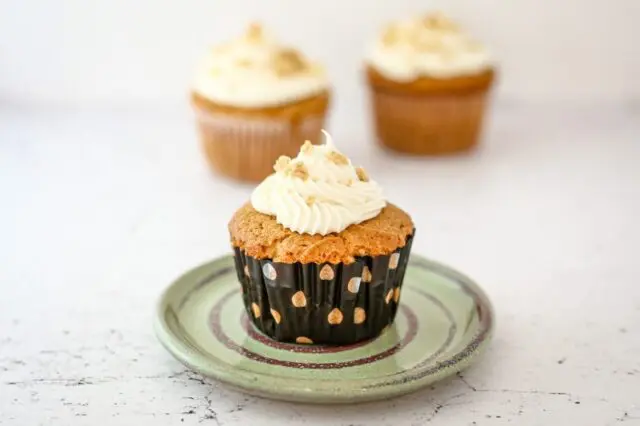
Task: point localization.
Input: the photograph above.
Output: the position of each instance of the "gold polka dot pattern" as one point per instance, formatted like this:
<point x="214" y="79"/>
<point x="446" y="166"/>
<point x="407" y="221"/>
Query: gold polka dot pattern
<point x="394" y="260"/>
<point x="354" y="284"/>
<point x="269" y="272"/>
<point x="335" y="317"/>
<point x="366" y="275"/>
<point x="299" y="300"/>
<point x="256" y="310"/>
<point x="388" y="297"/>
<point x="326" y="273"/>
<point x="322" y="303"/>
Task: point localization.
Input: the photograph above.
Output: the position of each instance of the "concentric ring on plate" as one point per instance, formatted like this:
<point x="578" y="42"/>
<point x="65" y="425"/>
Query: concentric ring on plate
<point x="411" y="332"/>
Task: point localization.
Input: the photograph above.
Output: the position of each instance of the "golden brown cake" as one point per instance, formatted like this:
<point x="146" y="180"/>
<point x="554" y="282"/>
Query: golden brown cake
<point x="256" y="100"/>
<point x="429" y="85"/>
<point x="260" y="236"/>
<point x="425" y="85"/>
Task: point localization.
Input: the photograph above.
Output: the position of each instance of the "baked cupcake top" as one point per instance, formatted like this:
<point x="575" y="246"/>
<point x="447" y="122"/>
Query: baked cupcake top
<point x="428" y="46"/>
<point x="318" y="208"/>
<point x="254" y="71"/>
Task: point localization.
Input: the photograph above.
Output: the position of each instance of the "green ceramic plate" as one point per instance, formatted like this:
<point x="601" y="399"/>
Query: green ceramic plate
<point x="444" y="322"/>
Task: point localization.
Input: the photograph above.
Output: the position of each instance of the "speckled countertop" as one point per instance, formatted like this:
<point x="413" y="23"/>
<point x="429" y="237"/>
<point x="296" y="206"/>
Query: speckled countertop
<point x="101" y="209"/>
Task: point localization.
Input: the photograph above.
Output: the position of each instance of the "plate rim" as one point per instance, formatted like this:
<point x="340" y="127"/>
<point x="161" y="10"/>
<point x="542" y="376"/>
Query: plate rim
<point x="281" y="388"/>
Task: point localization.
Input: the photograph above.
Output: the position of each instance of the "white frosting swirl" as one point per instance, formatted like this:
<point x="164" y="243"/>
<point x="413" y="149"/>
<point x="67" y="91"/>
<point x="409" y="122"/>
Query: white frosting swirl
<point x="318" y="192"/>
<point x="254" y="71"/>
<point x="430" y="46"/>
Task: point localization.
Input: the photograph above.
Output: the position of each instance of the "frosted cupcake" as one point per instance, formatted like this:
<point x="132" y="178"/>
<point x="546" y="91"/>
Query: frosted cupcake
<point x="319" y="253"/>
<point x="429" y="83"/>
<point x="256" y="100"/>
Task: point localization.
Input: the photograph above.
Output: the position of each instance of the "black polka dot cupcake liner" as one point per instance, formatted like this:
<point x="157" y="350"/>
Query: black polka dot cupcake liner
<point x="330" y="304"/>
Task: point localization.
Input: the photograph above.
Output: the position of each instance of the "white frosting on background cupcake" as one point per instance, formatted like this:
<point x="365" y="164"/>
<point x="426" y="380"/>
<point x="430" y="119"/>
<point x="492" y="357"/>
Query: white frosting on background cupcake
<point x="429" y="46"/>
<point x="254" y="71"/>
<point x="318" y="192"/>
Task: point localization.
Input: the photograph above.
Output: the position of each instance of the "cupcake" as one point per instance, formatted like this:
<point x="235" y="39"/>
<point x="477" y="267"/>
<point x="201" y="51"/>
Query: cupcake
<point x="319" y="253"/>
<point x="429" y="83"/>
<point x="256" y="100"/>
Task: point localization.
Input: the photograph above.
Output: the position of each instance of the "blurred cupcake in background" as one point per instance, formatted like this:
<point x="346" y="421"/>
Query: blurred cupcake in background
<point x="255" y="100"/>
<point x="429" y="83"/>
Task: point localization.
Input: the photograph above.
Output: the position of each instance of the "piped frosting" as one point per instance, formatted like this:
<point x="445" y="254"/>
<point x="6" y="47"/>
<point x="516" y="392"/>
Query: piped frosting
<point x="318" y="192"/>
<point x="255" y="71"/>
<point x="427" y="46"/>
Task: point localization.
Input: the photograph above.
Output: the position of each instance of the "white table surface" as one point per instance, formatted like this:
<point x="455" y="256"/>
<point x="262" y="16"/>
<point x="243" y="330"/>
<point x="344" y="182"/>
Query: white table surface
<point x="100" y="210"/>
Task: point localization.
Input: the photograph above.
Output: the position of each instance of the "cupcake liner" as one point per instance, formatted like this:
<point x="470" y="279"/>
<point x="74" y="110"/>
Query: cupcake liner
<point x="246" y="148"/>
<point x="323" y="303"/>
<point x="429" y="123"/>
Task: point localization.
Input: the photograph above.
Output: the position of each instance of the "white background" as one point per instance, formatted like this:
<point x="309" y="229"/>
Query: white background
<point x="105" y="198"/>
<point x="114" y="52"/>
